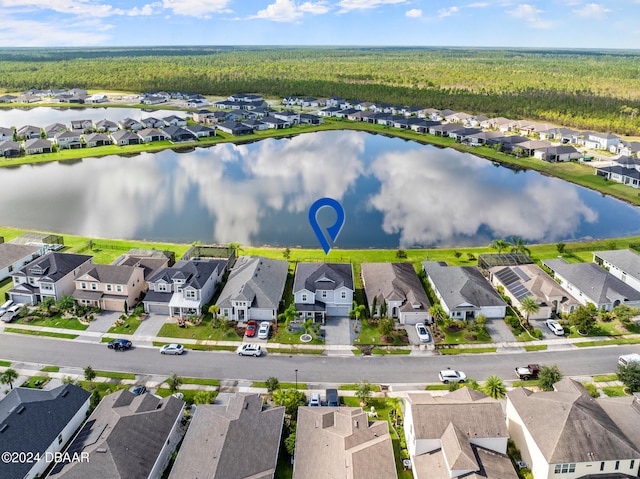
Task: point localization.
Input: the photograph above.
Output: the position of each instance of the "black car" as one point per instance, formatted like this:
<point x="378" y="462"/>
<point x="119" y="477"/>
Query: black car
<point x="139" y="390"/>
<point x="332" y="397"/>
<point x="119" y="344"/>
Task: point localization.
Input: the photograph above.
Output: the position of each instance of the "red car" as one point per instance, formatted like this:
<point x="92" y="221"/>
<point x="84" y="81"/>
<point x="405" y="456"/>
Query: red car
<point x="252" y="327"/>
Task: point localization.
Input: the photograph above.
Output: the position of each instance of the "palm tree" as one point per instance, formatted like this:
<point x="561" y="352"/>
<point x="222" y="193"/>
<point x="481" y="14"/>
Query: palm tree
<point x="518" y="245"/>
<point x="8" y="377"/>
<point x="174" y="382"/>
<point x="529" y="305"/>
<point x="499" y="244"/>
<point x="494" y="387"/>
<point x="214" y="309"/>
<point x="437" y="312"/>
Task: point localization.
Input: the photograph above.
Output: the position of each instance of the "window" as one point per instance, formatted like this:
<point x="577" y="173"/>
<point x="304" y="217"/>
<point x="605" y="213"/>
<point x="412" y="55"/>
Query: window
<point x="324" y="294"/>
<point x="304" y="298"/>
<point x="109" y="287"/>
<point x="617" y="465"/>
<point x="565" y="468"/>
<point x="161" y="287"/>
<point x="83" y="285"/>
<point x="343" y="295"/>
<point x="602" y="466"/>
<point x="46" y="286"/>
<point x="119" y="288"/>
<point x="190" y="294"/>
<point x="633" y="463"/>
<point x="10" y="268"/>
<point x="94" y="286"/>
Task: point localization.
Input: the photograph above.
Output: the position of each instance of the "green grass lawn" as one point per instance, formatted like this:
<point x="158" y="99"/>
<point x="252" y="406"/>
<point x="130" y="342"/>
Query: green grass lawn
<point x="128" y="327"/>
<point x="535" y="347"/>
<point x="201" y="381"/>
<point x="283" y="336"/>
<point x="354" y="387"/>
<point x="56" y="321"/>
<point x="466" y="337"/>
<point x="371" y="335"/>
<point x="446" y="351"/>
<point x="202" y="331"/>
<point x="50" y="369"/>
<point x="525" y="384"/>
<point x="35" y="382"/>
<point x="605" y="378"/>
<point x="437" y="387"/>
<point x="115" y="375"/>
<point x="614" y="391"/>
<point x="103" y="388"/>
<point x="611" y="328"/>
<point x="263" y="384"/>
<point x="5" y="364"/>
<point x="40" y="333"/>
<point x="608" y="342"/>
<point x="189" y="394"/>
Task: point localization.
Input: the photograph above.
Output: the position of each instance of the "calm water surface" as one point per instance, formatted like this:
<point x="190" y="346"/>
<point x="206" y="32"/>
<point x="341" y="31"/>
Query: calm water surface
<point x="395" y="193"/>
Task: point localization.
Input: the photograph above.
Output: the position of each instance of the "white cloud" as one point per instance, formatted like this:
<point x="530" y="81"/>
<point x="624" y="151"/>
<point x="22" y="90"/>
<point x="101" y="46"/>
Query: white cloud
<point x="196" y="8"/>
<point x="289" y="11"/>
<point x="591" y="10"/>
<point x="348" y="5"/>
<point x="447" y="12"/>
<point x="12" y="34"/>
<point x="319" y="8"/>
<point x="414" y="13"/>
<point x="531" y="15"/>
<point x="477" y="5"/>
<point x="81" y="8"/>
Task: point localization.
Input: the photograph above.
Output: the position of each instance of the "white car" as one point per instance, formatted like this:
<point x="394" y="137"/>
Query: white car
<point x="423" y="333"/>
<point x="11" y="313"/>
<point x="452" y="376"/>
<point x="249" y="350"/>
<point x="172" y="349"/>
<point x="315" y="400"/>
<point x="555" y="327"/>
<point x="263" y="330"/>
<point x="5" y="306"/>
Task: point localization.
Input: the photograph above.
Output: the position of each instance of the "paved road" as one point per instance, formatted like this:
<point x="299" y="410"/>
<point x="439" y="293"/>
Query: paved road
<point x="377" y="369"/>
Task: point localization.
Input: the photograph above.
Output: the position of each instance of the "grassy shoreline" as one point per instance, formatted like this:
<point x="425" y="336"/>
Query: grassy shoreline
<point x="579" y="174"/>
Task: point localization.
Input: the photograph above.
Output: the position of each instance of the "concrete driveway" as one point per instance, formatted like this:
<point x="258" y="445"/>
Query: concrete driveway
<point x="151" y="325"/>
<point x="499" y="331"/>
<point x="103" y="321"/>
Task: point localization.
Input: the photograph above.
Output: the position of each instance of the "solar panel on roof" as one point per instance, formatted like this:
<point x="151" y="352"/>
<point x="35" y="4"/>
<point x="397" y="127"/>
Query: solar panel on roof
<point x="87" y="436"/>
<point x="522" y="274"/>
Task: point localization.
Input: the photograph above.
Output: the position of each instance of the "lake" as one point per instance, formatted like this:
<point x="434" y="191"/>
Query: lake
<point x="395" y="193"/>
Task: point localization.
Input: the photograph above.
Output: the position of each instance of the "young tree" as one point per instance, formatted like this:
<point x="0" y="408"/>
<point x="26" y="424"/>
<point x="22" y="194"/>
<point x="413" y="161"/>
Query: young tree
<point x="272" y="384"/>
<point x="401" y="254"/>
<point x="286" y="253"/>
<point x="494" y="387"/>
<point x="291" y="399"/>
<point x="8" y="377"/>
<point x="290" y="443"/>
<point x="583" y="318"/>
<point x="437" y="312"/>
<point x="383" y="309"/>
<point x="47" y="304"/>
<point x="499" y="244"/>
<point x="529" y="306"/>
<point x="364" y="391"/>
<point x="203" y="397"/>
<point x="66" y="303"/>
<point x="548" y="376"/>
<point x="214" y="309"/>
<point x="624" y="312"/>
<point x="630" y="376"/>
<point x="386" y="326"/>
<point x="289" y="314"/>
<point x="89" y="374"/>
<point x="374" y="306"/>
<point x="518" y="245"/>
<point x="561" y="247"/>
<point x="174" y="382"/>
<point x="94" y="400"/>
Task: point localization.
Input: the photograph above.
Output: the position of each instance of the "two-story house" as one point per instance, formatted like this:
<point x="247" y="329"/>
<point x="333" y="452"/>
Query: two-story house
<point x="323" y="289"/>
<point x="15" y="256"/>
<point x="184" y="288"/>
<point x="109" y="287"/>
<point x="50" y="276"/>
<point x="624" y="264"/>
<point x="254" y="289"/>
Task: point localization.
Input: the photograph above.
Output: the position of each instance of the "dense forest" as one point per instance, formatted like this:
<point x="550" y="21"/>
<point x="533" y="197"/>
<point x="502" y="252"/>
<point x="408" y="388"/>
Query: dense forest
<point x="584" y="89"/>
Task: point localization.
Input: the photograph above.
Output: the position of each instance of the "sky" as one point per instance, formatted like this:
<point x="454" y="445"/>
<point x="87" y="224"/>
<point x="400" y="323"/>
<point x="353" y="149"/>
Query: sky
<point x="488" y="23"/>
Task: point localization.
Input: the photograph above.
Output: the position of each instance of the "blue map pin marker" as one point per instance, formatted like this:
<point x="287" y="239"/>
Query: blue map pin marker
<point x="333" y="230"/>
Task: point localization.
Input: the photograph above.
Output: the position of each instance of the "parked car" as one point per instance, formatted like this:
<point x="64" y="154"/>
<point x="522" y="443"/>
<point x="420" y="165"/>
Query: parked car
<point x="529" y="371"/>
<point x="332" y="398"/>
<point x="625" y="359"/>
<point x="119" y="344"/>
<point x="452" y="376"/>
<point x="555" y="327"/>
<point x="264" y="329"/>
<point x="172" y="349"/>
<point x="138" y="390"/>
<point x="423" y="333"/>
<point x="5" y="306"/>
<point x="249" y="350"/>
<point x="11" y="313"/>
<point x="315" y="400"/>
<point x="250" y="332"/>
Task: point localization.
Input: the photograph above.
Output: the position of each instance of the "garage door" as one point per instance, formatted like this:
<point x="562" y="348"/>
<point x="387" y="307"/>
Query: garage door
<point x="338" y="310"/>
<point x="21" y="298"/>
<point x="157" y="308"/>
<point x="413" y="318"/>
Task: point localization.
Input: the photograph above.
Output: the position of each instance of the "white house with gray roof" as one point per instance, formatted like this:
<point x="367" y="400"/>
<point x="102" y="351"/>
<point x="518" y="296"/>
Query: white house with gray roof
<point x="323" y="289"/>
<point x="37" y="421"/>
<point x="183" y="289"/>
<point x="254" y="289"/>
<point x="126" y="437"/>
<point x="463" y="291"/>
<point x="238" y="440"/>
<point x="460" y="434"/>
<point x="15" y="256"/>
<point x="589" y="283"/>
<point x="567" y="434"/>
<point x="624" y="264"/>
<point x="398" y="285"/>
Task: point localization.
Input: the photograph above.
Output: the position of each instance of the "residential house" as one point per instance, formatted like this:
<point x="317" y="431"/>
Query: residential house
<point x="234" y="128"/>
<point x="275" y="123"/>
<point x="178" y="134"/>
<point x="29" y="132"/>
<point x="10" y="149"/>
<point x="52" y="130"/>
<point x="345" y="112"/>
<point x="27" y="99"/>
<point x="151" y="122"/>
<point x="37" y="423"/>
<point x="8" y="98"/>
<point x="68" y="140"/>
<point x="329" y="111"/>
<point x="109" y="287"/>
<point x="444" y="129"/>
<point x="37" y="146"/>
<point x="153" y="99"/>
<point x="96" y="139"/>
<point x="201" y="131"/>
<point x="291" y="117"/>
<point x="96" y="98"/>
<point x="601" y="141"/>
<point x="183" y="289"/>
<point x="423" y="126"/>
<point x="254" y="289"/>
<point x="125" y="137"/>
<point x="255" y="125"/>
<point x="460" y="434"/>
<point x="530" y="146"/>
<point x="498" y="123"/>
<point x="309" y="119"/>
<point x="561" y="135"/>
<point x="173" y="120"/>
<point x="106" y="126"/>
<point x="398" y="285"/>
<point x="127" y="437"/>
<point x="461" y="134"/>
<point x="483" y="137"/>
<point x="555" y="154"/>
<point x="342" y="443"/>
<point x="459" y="117"/>
<point x="219" y="437"/>
<point x="149" y="135"/>
<point x="49" y="276"/>
<point x="150" y="261"/>
<point x="589" y="283"/>
<point x="624" y="264"/>
<point x="463" y="291"/>
<point x="6" y="134"/>
<point x="86" y="125"/>
<point x="130" y="124"/>
<point x="625" y="170"/>
<point x="626" y="148"/>
<point x="323" y="289"/>
<point x="335" y="101"/>
<point x="529" y="280"/>
<point x="197" y="103"/>
<point x="568" y="434"/>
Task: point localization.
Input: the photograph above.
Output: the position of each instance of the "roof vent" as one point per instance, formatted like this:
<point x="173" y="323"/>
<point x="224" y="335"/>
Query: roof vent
<point x="20" y="410"/>
<point x="65" y="393"/>
<point x="102" y="450"/>
<point x="4" y="427"/>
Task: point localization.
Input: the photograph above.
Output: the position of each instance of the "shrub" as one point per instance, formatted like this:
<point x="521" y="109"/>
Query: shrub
<point x="592" y="389"/>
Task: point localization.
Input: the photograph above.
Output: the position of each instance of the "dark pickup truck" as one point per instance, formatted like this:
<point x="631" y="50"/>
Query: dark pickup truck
<point x="528" y="372"/>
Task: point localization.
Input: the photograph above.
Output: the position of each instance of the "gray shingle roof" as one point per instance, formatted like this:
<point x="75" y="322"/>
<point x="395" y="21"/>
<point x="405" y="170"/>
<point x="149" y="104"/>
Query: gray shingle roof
<point x="240" y="440"/>
<point x="394" y="282"/>
<point x="624" y="259"/>
<point x="32" y="419"/>
<point x="53" y="266"/>
<point x="10" y="253"/>
<point x="596" y="283"/>
<point x="259" y="280"/>
<point x="323" y="276"/>
<point x="106" y="273"/>
<point x="127" y="433"/>
<point x="194" y="273"/>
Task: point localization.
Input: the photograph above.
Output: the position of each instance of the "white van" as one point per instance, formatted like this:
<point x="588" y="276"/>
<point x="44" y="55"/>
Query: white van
<point x="12" y="313"/>
<point x="5" y="306"/>
<point x="625" y="359"/>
